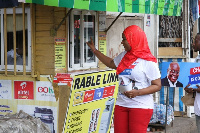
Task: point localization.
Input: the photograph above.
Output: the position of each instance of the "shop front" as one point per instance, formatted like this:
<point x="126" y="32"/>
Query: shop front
<point x="42" y="39"/>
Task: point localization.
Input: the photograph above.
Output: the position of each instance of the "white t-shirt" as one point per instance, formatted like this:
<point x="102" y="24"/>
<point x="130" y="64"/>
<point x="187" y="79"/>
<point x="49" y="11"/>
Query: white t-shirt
<point x="197" y="97"/>
<point x="141" y="76"/>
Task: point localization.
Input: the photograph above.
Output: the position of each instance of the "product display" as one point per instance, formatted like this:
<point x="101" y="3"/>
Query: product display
<point x="159" y="114"/>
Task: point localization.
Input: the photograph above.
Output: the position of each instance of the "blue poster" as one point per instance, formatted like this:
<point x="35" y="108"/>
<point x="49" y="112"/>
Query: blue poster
<point x="180" y="74"/>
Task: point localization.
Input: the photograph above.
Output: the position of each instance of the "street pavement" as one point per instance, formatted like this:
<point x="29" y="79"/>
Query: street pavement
<point x="182" y="124"/>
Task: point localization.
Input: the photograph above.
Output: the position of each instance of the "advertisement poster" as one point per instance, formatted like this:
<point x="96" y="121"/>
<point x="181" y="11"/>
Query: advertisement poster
<point x="47" y="114"/>
<point x="181" y="74"/>
<point x="23" y="90"/>
<point x="5" y="89"/>
<point x="60" y="54"/>
<point x="33" y="97"/>
<point x="91" y="105"/>
<point x="44" y="91"/>
<point x="102" y="42"/>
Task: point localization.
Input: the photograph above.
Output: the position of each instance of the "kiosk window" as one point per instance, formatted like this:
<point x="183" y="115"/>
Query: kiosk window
<point x="82" y="27"/>
<point x="19" y="40"/>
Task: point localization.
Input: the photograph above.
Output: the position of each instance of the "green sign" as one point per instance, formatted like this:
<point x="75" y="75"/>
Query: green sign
<point x="160" y="7"/>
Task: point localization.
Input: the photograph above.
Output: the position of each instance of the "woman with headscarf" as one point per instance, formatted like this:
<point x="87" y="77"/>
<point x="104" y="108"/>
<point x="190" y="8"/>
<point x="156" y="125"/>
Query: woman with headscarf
<point x="139" y="78"/>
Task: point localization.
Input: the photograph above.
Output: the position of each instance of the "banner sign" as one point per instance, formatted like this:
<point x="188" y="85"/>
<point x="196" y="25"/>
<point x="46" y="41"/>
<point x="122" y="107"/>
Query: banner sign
<point x="160" y="7"/>
<point x="189" y="73"/>
<point x="91" y="105"/>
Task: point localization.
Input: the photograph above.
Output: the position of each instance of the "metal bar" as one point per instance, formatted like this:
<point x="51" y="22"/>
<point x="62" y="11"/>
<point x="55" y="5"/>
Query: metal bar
<point x="64" y="19"/>
<point x="113" y="21"/>
<point x="167" y="98"/>
<point x="173" y="105"/>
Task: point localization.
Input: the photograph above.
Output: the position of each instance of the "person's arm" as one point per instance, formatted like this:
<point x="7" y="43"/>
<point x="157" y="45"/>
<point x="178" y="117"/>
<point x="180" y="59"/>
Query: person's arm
<point x="154" y="87"/>
<point x="198" y="89"/>
<point x="109" y="62"/>
<point x="189" y="90"/>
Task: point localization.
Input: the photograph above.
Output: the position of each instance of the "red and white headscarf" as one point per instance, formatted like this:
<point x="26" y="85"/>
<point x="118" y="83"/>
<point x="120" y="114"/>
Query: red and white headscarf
<point x="137" y="39"/>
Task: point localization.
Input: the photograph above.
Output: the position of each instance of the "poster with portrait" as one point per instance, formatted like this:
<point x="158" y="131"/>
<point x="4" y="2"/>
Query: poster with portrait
<point x="91" y="105"/>
<point x="180" y="74"/>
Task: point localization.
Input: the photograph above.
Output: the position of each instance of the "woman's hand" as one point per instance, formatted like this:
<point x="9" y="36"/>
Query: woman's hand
<point x="198" y="89"/>
<point x="131" y="94"/>
<point x="154" y="87"/>
<point x="91" y="44"/>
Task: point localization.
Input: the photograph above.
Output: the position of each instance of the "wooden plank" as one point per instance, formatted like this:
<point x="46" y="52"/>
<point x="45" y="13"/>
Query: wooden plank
<point x="46" y="71"/>
<point x="170" y="40"/>
<point x="62" y="27"/>
<point x="46" y="58"/>
<point x="44" y="13"/>
<point x="58" y="20"/>
<point x="58" y="9"/>
<point x="59" y="14"/>
<point x="44" y="39"/>
<point x="43" y="47"/>
<point x="61" y="34"/>
<point x="49" y="62"/>
<point x="45" y="53"/>
<point x="44" y="17"/>
<point x="44" y="21"/>
<point x="43" y="8"/>
<point x="45" y="65"/>
<point x="48" y="20"/>
<point x="42" y="33"/>
<point x="44" y="27"/>
<point x="169" y="51"/>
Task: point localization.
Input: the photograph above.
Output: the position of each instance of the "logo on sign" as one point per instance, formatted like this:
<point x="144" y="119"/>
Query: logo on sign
<point x="45" y="90"/>
<point x="23" y="89"/>
<point x="89" y="95"/>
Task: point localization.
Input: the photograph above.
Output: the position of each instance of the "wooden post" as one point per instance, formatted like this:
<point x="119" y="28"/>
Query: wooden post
<point x="24" y="41"/>
<point x="14" y="38"/>
<point x="5" y="41"/>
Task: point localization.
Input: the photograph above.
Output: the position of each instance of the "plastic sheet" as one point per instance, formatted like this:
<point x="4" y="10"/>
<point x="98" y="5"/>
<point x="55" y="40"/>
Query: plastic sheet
<point x="22" y="123"/>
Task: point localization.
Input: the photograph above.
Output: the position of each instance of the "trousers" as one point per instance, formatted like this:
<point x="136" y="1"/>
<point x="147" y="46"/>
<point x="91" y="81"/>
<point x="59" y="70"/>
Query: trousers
<point x="131" y="120"/>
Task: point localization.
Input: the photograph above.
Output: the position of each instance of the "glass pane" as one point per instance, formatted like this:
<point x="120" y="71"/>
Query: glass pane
<point x="19" y="40"/>
<point x="76" y="39"/>
<point x="89" y="31"/>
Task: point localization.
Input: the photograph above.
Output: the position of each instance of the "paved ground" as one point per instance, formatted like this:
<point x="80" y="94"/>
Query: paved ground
<point x="179" y="125"/>
<point x="183" y="125"/>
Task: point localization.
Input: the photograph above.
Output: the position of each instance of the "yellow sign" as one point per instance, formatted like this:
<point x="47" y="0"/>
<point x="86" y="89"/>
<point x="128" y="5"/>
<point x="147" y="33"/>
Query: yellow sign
<point x="60" y="54"/>
<point x="92" y="101"/>
<point x="102" y="42"/>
